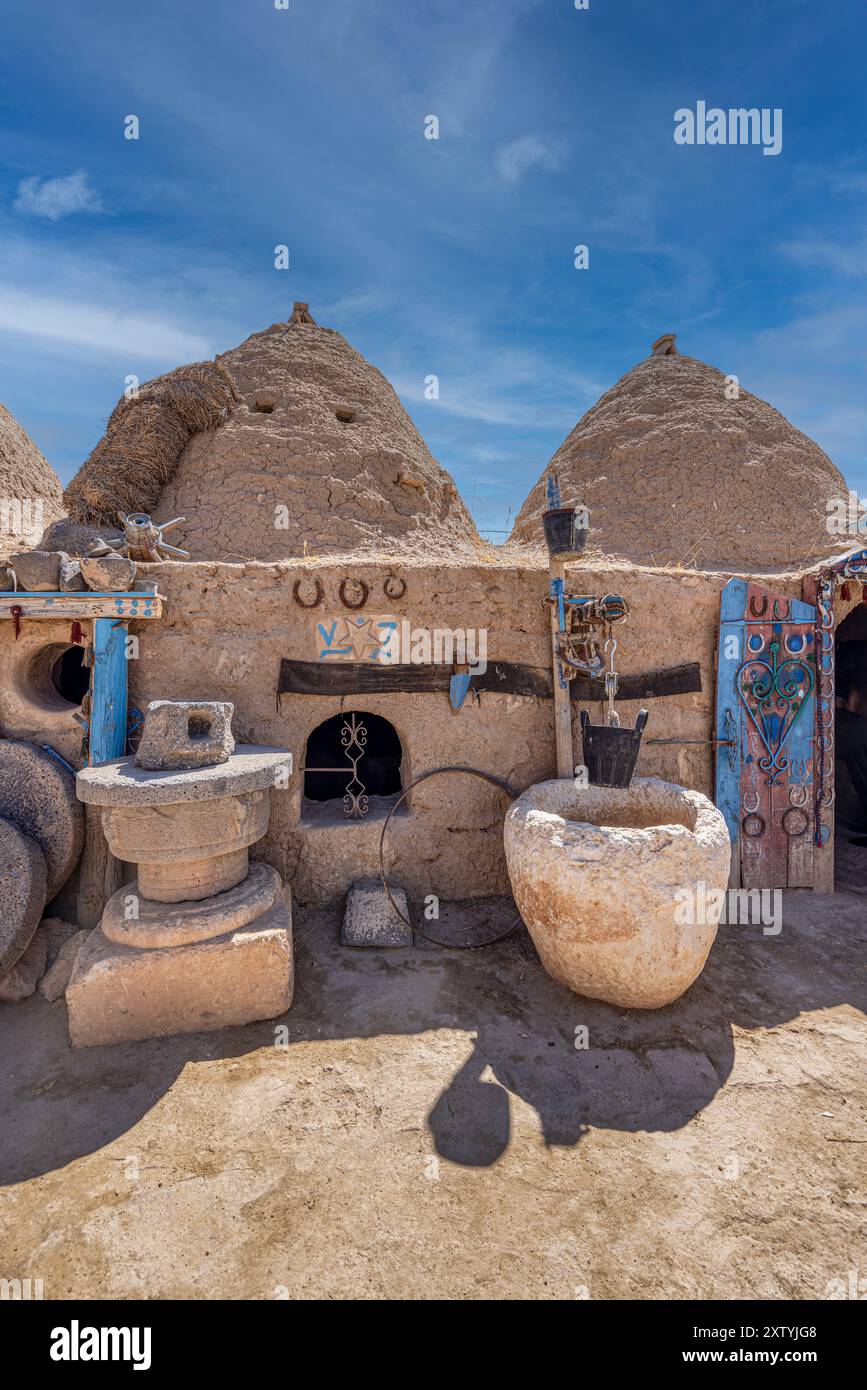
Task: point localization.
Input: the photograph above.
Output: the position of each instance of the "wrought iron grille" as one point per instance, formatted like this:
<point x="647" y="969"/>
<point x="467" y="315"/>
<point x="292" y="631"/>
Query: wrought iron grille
<point x="353" y="738"/>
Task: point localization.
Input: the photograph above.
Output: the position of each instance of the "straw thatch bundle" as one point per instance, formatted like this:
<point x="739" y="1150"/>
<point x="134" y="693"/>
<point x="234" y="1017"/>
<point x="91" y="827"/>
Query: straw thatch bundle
<point x="144" y="439"/>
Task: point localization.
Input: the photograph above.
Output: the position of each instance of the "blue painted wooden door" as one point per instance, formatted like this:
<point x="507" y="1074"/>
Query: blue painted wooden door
<point x="765" y="723"/>
<point x="108" y="691"/>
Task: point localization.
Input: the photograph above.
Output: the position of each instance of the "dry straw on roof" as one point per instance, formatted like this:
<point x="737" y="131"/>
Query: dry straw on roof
<point x="146" y="435"/>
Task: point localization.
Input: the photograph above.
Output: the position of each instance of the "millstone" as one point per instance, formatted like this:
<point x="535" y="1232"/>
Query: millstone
<point x="37" y="793"/>
<point x="22" y="892"/>
<point x="179" y="924"/>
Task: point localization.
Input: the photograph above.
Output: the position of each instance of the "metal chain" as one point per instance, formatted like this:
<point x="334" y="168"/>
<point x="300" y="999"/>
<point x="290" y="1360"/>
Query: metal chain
<point x="611" y="680"/>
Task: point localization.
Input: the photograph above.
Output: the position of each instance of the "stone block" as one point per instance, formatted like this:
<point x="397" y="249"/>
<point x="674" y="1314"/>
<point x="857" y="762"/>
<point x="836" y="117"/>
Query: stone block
<point x="38" y="571"/>
<point x="119" y="994"/>
<point x="179" y="734"/>
<point x="370" y="919"/>
<point x="21" y="981"/>
<point x="57" y="976"/>
<point x="187" y="830"/>
<point x="71" y="578"/>
<point x="107" y="574"/>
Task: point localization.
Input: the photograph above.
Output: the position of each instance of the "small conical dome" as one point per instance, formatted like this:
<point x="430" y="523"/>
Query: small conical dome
<point x="312" y="453"/>
<point x="678" y="464"/>
<point x="30" y="493"/>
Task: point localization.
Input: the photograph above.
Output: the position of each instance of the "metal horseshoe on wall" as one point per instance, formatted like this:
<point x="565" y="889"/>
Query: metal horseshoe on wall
<point x="394" y="586"/>
<point x="796" y="822"/>
<point x="759" y="612"/>
<point x="753" y="825"/>
<point x="365" y="590"/>
<point x="296" y="593"/>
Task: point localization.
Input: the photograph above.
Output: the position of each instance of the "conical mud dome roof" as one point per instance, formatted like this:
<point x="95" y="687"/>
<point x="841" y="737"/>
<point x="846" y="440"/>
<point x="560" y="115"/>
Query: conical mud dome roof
<point x="31" y="496"/>
<point x="676" y="468"/>
<point x="311" y="448"/>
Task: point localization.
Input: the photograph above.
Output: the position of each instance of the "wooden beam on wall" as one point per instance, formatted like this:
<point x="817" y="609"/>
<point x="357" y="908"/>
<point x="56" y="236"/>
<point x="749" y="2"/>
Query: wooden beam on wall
<point x="501" y="677"/>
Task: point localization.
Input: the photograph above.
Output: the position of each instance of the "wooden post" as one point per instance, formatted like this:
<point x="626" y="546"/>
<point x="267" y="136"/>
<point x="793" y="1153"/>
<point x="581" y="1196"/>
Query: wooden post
<point x="562" y="701"/>
<point x="99" y="875"/>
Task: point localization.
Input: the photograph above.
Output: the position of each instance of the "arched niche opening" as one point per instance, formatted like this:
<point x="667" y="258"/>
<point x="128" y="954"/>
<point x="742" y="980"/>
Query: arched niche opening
<point x="352" y="768"/>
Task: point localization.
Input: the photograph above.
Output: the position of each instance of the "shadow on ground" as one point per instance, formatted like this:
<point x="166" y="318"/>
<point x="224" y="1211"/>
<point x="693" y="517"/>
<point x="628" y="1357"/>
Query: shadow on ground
<point x="641" y="1071"/>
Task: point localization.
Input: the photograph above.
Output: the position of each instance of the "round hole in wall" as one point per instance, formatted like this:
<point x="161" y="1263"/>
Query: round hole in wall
<point x="56" y="677"/>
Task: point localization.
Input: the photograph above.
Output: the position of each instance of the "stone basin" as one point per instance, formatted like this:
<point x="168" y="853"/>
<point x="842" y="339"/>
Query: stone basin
<point x="602" y="877"/>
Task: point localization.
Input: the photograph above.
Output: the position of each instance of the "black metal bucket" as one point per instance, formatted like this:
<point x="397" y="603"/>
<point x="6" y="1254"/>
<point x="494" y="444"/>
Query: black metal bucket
<point x="610" y="754"/>
<point x="565" y="531"/>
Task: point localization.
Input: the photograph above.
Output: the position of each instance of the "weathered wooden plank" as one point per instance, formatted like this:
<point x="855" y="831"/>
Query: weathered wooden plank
<point x="503" y="677"/>
<point x="139" y="604"/>
<point x="730" y="716"/>
<point x="100" y="874"/>
<point x="823" y="855"/>
<point x="108" y="691"/>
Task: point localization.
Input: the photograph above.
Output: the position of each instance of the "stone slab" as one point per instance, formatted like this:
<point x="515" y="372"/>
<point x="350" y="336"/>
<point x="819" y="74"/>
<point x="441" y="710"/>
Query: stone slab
<point x="119" y="994"/>
<point x="251" y="767"/>
<point x="21" y="981"/>
<point x="37" y="570"/>
<point x="59" y="973"/>
<point x="370" y="919"/>
<point x="187" y="830"/>
<point x="107" y="574"/>
<point x="22" y="892"/>
<point x="180" y="924"/>
<point x="37" y="793"/>
<point x="181" y="734"/>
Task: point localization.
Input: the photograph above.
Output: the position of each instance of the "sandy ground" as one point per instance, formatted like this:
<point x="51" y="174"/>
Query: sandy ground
<point x="431" y="1131"/>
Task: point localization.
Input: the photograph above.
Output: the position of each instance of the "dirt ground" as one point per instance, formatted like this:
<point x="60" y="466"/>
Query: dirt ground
<point x="430" y="1130"/>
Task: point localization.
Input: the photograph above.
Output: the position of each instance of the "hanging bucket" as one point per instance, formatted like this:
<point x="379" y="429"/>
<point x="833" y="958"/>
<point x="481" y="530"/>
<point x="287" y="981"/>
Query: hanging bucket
<point x="565" y="531"/>
<point x="610" y="754"/>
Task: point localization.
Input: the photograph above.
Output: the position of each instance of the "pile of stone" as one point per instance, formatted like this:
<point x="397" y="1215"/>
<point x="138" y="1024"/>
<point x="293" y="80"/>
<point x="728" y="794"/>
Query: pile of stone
<point x="201" y="939"/>
<point x="55" y="571"/>
<point x="41" y="839"/>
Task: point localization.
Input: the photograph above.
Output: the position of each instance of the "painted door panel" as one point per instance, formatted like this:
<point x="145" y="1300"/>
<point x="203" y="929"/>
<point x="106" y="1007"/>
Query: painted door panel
<point x="764" y="731"/>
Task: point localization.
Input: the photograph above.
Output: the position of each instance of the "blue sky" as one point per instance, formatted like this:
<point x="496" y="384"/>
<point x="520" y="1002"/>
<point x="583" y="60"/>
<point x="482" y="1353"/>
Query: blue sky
<point x="452" y="257"/>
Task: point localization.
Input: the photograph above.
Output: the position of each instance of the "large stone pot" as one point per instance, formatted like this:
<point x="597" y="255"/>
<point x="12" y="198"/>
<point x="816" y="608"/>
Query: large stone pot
<point x="604" y="878"/>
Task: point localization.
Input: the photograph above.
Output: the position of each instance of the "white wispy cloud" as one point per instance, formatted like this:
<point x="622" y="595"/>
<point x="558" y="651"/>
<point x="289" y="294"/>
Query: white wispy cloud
<point x="844" y="258"/>
<point x="56" y="198"/>
<point x="86" y="324"/>
<point x="516" y="159"/>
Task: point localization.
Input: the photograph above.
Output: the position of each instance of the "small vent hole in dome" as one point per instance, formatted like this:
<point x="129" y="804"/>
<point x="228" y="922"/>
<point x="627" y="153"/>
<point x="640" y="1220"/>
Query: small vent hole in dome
<point x="345" y="415"/>
<point x="265" y="405"/>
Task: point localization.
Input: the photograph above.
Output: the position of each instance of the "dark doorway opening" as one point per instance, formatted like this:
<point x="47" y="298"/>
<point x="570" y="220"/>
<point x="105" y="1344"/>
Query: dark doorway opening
<point x="351" y="758"/>
<point x="69" y="675"/>
<point x="850" y="750"/>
